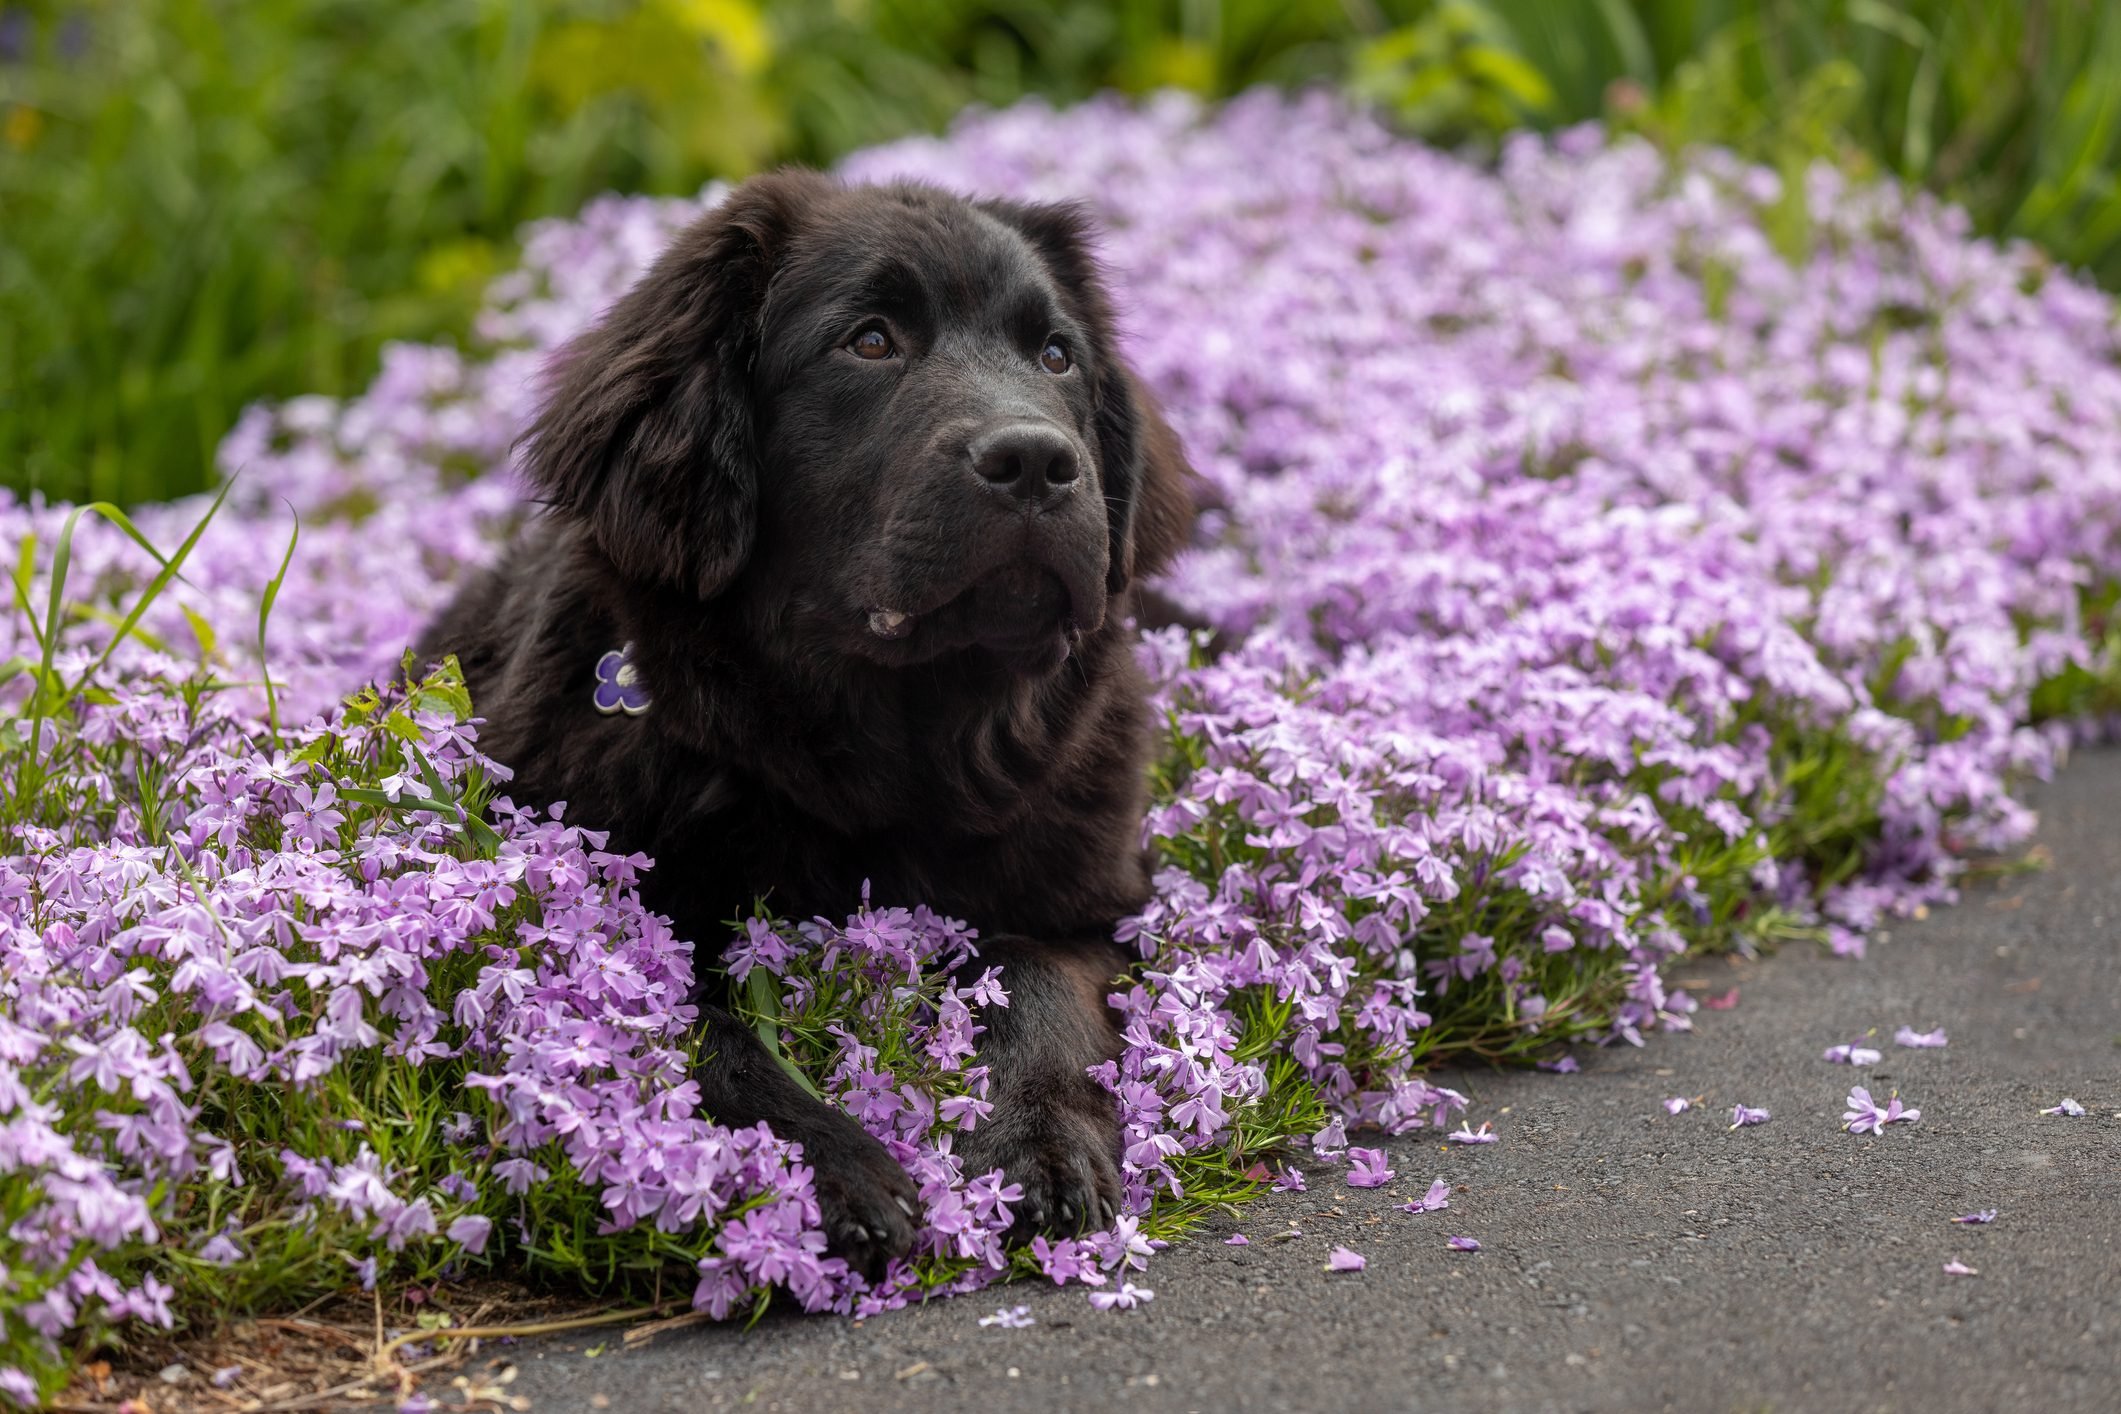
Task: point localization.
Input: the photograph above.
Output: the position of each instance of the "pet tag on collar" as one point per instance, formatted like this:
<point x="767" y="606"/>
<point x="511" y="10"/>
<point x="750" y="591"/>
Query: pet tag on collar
<point x="619" y="685"/>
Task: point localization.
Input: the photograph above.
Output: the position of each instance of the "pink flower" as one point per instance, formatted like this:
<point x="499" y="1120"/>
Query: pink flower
<point x="1853" y="1054"/>
<point x="1958" y="1268"/>
<point x="1465" y="1135"/>
<point x="1921" y="1040"/>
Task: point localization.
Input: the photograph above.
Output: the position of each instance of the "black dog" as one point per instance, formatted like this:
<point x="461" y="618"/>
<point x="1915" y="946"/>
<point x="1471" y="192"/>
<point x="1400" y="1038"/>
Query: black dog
<point x="846" y="499"/>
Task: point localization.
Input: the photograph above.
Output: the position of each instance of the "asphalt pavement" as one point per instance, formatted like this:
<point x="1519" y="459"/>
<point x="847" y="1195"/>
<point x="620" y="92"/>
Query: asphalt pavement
<point x="1630" y="1259"/>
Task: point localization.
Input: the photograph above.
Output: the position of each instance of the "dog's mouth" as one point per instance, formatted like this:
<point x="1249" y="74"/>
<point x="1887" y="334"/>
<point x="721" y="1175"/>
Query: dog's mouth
<point x="1022" y="611"/>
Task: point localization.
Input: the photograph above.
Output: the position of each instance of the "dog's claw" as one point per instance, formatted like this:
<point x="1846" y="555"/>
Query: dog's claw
<point x="854" y="1178"/>
<point x="1064" y="1154"/>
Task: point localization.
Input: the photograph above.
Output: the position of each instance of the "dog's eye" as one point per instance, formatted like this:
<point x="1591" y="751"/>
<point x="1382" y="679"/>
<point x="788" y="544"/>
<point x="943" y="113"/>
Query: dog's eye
<point x="1054" y="357"/>
<point x="872" y="343"/>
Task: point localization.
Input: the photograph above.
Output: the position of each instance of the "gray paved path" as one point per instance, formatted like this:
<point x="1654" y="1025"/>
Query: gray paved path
<point x="1632" y="1260"/>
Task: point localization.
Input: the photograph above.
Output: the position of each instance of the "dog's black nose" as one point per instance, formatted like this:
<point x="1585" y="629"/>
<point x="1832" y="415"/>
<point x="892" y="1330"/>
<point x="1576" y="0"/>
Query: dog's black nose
<point x="1033" y="461"/>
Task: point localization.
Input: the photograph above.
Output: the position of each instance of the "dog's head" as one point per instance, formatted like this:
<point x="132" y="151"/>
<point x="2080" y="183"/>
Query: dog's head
<point x="891" y="421"/>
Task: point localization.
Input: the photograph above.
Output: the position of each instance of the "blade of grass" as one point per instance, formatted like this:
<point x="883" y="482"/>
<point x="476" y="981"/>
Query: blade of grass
<point x="160" y="582"/>
<point x="50" y="696"/>
<point x="265" y="603"/>
<point x="766" y="1005"/>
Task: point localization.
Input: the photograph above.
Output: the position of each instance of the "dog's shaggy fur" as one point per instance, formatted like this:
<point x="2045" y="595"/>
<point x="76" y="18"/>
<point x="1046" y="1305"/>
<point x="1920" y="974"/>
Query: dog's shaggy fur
<point x="862" y="479"/>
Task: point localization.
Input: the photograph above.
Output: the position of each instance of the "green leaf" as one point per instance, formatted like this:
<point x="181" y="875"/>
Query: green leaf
<point x="265" y="603"/>
<point x="366" y="795"/>
<point x="765" y="1005"/>
<point x="202" y="631"/>
<point x="25" y="571"/>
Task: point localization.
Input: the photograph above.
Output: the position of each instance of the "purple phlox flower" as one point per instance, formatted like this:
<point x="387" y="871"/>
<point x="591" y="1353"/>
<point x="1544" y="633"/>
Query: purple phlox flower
<point x="1567" y="1065"/>
<point x="1237" y="1239"/>
<point x="314" y="822"/>
<point x="470" y="1232"/>
<point x="1921" y="1040"/>
<point x="1743" y="1115"/>
<point x="1853" y="1054"/>
<point x="1367" y="1169"/>
<point x="1984" y="1216"/>
<point x="2067" y="1107"/>
<point x="1289" y="1180"/>
<point x="1125" y="1296"/>
<point x="411" y="1220"/>
<point x="226" y="1376"/>
<point x="1462" y="1244"/>
<point x="148" y="1302"/>
<point x="1123" y="1246"/>
<point x="19" y="1387"/>
<point x="1680" y="1104"/>
<point x="1065" y="1260"/>
<point x="991" y="1199"/>
<point x="221" y="1249"/>
<point x="1865" y="1116"/>
<point x="1957" y="1268"/>
<point x="1499" y="588"/>
<point x="518" y="1174"/>
<point x="1342" y="1259"/>
<point x="1013" y="1318"/>
<point x="1434" y="1201"/>
<point x="619" y="686"/>
<point x="987" y="990"/>
<point x="1465" y="1134"/>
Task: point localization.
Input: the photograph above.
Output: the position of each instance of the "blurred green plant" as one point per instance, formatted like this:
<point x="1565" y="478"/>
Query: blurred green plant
<point x="1455" y="73"/>
<point x="204" y="202"/>
<point x="2010" y="107"/>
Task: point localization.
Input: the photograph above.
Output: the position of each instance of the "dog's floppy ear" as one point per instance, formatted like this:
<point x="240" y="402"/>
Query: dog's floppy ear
<point x="645" y="435"/>
<point x="1151" y="507"/>
<point x="1150" y="488"/>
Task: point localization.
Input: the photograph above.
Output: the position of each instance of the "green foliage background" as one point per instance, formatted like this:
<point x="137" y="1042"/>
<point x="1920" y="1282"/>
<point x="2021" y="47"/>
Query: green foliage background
<point x="204" y="202"/>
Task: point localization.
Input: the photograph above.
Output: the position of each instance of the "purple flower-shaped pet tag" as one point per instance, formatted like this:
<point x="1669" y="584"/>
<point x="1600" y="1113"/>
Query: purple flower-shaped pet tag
<point x="619" y="685"/>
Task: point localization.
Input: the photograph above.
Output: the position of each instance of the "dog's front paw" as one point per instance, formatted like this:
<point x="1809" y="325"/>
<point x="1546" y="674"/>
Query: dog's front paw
<point x="1062" y="1144"/>
<point x="870" y="1208"/>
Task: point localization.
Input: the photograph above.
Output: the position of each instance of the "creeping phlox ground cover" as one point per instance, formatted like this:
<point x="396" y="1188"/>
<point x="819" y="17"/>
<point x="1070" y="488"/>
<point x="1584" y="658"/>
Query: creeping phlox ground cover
<point x="1615" y="557"/>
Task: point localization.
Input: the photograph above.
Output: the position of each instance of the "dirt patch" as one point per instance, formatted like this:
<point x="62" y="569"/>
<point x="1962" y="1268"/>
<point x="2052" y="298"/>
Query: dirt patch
<point x="451" y="1344"/>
